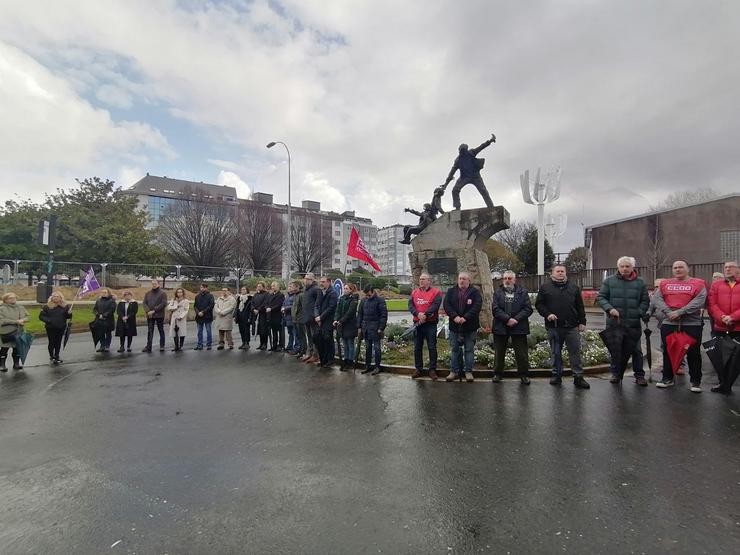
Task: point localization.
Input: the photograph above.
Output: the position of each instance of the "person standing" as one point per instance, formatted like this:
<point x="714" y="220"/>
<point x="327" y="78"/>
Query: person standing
<point x="724" y="309"/>
<point x="259" y="306"/>
<point x="511" y="311"/>
<point x="104" y="310"/>
<point x="624" y="297"/>
<point x="274" y="313"/>
<point x="155" y="302"/>
<point x="126" y="320"/>
<point x="560" y="303"/>
<point x="679" y="302"/>
<point x="372" y="319"/>
<point x="243" y="315"/>
<point x="12" y="319"/>
<point x="345" y="322"/>
<point x="424" y="305"/>
<point x="178" y="310"/>
<point x="296" y="311"/>
<point x="204" y="304"/>
<point x="324" y="317"/>
<point x="463" y="304"/>
<point x="55" y="314"/>
<point x="224" y="311"/>
<point x="310" y="296"/>
<point x="287" y="310"/>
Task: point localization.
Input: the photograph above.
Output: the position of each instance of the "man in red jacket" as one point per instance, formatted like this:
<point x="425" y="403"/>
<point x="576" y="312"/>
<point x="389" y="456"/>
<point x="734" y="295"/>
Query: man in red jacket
<point x="724" y="308"/>
<point x="424" y="306"/>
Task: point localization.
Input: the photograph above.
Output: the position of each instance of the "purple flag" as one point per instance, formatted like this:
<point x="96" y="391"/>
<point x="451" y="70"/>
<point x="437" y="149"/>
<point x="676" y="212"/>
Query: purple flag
<point x="89" y="283"/>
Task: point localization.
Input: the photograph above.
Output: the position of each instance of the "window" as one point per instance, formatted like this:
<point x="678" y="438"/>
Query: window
<point x="337" y="233"/>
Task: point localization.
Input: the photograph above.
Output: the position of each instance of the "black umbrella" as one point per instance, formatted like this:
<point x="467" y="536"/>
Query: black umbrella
<point x="724" y="354"/>
<point x="620" y="341"/>
<point x="97" y="328"/>
<point x="649" y="352"/>
<point x="409" y="332"/>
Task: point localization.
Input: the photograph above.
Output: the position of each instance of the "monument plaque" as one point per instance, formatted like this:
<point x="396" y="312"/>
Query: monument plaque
<point x="442" y="265"/>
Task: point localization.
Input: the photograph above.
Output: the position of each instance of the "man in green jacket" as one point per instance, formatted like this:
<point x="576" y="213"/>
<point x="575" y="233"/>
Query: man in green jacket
<point x="624" y="298"/>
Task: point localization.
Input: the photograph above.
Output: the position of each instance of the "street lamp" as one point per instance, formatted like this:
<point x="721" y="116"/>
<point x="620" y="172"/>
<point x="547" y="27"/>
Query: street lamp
<point x="290" y="229"/>
<point x="540" y="192"/>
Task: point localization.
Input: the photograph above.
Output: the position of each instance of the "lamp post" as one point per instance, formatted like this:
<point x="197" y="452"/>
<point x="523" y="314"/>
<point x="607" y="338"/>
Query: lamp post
<point x="290" y="229"/>
<point x="539" y="193"/>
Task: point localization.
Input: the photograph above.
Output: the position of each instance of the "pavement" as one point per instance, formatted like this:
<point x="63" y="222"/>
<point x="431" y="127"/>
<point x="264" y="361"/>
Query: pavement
<point x="232" y="452"/>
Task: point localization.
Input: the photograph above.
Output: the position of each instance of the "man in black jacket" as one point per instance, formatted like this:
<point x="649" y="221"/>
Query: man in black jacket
<point x="310" y="296"/>
<point x="561" y="305"/>
<point x="511" y="311"/>
<point x="372" y="319"/>
<point x="204" y="303"/>
<point x="324" y="317"/>
<point x="463" y="304"/>
<point x="155" y="302"/>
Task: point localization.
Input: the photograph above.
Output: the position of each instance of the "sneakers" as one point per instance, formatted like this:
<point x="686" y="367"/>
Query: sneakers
<point x="451" y="377"/>
<point x="695" y="388"/>
<point x="496" y="378"/>
<point x="556" y="380"/>
<point x="665" y="383"/>
<point x="525" y="380"/>
<point x="580" y="382"/>
<point x="469" y="377"/>
<point x="641" y="381"/>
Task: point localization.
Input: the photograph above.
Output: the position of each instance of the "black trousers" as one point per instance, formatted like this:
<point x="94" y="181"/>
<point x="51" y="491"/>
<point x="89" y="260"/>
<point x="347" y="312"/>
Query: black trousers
<point x="478" y="183"/>
<point x="55" y="342"/>
<point x="274" y="334"/>
<point x="425" y="332"/>
<point x="244" y="329"/>
<point x="521" y="353"/>
<point x="150" y="323"/>
<point x="693" y="355"/>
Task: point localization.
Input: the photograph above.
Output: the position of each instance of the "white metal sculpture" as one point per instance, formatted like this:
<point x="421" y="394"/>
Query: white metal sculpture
<point x="540" y="191"/>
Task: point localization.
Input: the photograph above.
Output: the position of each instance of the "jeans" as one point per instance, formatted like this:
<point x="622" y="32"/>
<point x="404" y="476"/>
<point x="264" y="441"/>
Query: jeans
<point x="571" y="338"/>
<point x="425" y="332"/>
<point x="291" y="337"/>
<point x="372" y="353"/>
<point x="299" y="342"/>
<point x="150" y="323"/>
<point x="348" y="347"/>
<point x="209" y="333"/>
<point x="693" y="355"/>
<point x="521" y="353"/>
<point x="637" y="367"/>
<point x="468" y="340"/>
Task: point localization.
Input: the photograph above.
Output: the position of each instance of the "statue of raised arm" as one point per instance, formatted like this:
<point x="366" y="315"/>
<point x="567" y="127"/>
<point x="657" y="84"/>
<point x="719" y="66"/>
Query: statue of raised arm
<point x="426" y="217"/>
<point x="469" y="167"/>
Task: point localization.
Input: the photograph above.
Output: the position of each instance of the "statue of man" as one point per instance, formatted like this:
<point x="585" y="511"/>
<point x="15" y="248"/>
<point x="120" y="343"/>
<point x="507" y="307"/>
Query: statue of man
<point x="469" y="167"/>
<point x="426" y="217"/>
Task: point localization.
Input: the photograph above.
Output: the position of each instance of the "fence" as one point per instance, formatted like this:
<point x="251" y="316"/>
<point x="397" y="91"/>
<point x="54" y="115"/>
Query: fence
<point x="30" y="272"/>
<point x="592" y="279"/>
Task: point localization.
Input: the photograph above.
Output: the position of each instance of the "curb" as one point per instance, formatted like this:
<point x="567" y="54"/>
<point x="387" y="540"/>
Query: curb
<point x="487" y="373"/>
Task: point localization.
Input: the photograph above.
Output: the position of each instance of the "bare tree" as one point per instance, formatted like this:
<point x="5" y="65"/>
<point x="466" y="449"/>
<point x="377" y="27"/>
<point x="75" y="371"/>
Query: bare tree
<point x="656" y="251"/>
<point x="197" y="231"/>
<point x="517" y="235"/>
<point x="259" y="240"/>
<point x="311" y="250"/>
<point x="684" y="198"/>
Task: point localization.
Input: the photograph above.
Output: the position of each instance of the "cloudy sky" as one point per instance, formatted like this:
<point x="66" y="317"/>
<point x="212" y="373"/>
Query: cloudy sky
<point x="634" y="99"/>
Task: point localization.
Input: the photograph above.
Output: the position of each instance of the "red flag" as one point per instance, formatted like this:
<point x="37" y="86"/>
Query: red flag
<point x="356" y="249"/>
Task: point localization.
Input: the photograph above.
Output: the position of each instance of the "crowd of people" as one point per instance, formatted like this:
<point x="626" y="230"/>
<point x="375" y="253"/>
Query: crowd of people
<point x="310" y="320"/>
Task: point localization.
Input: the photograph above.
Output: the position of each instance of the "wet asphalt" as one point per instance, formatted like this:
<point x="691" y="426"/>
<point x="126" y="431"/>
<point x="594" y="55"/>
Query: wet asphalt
<point x="231" y="452"/>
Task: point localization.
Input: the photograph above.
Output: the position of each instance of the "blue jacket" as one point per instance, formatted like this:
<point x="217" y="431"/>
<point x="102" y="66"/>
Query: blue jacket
<point x="469" y="308"/>
<point x="326" y="306"/>
<point x="519" y="307"/>
<point x="373" y="316"/>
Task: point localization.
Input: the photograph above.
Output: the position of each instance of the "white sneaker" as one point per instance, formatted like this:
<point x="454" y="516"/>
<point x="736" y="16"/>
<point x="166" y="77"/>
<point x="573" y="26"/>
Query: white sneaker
<point x="469" y="377"/>
<point x="665" y="383"/>
<point x="695" y="388"/>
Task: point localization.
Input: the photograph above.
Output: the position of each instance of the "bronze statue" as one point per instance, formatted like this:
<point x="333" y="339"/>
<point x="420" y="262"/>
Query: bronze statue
<point x="437" y="201"/>
<point x="426" y="216"/>
<point x="469" y="167"/>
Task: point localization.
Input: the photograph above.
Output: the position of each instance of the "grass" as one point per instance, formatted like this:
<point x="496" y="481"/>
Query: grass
<point x="398" y="305"/>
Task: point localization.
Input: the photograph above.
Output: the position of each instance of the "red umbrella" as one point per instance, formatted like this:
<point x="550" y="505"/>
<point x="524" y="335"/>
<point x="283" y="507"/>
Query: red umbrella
<point x="676" y="345"/>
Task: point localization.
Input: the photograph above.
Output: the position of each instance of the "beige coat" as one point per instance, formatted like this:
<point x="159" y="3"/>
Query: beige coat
<point x="224" y="313"/>
<point x="9" y="314"/>
<point x="178" y="313"/>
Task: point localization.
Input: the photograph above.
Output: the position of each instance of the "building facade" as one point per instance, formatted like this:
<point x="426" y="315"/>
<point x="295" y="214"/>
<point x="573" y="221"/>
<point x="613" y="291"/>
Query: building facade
<point x="701" y="233"/>
<point x="393" y="257"/>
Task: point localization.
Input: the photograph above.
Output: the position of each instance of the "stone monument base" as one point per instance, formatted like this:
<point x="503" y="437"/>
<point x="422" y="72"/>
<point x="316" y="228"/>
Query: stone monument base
<point x="454" y="243"/>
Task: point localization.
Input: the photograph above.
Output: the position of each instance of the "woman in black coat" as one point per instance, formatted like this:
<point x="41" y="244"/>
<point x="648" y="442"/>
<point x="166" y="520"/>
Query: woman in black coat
<point x="55" y="315"/>
<point x="259" y="307"/>
<point x="126" y="323"/>
<point x="105" y="309"/>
